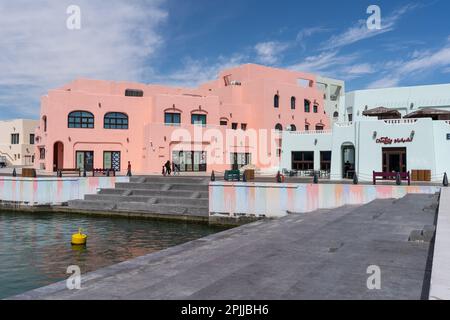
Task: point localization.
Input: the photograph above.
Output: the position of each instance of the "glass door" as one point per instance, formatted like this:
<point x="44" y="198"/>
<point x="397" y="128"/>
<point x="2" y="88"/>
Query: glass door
<point x="85" y="160"/>
<point x="111" y="160"/>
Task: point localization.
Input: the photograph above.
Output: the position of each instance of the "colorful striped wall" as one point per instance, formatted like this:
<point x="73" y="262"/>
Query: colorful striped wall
<point x="275" y="200"/>
<point x="48" y="191"/>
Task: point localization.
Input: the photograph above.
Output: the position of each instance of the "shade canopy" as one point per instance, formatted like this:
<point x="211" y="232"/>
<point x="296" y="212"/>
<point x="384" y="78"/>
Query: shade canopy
<point x="382" y="113"/>
<point x="435" y="114"/>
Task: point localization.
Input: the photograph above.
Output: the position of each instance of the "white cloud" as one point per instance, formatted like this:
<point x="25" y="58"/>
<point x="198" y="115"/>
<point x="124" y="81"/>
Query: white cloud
<point x="269" y="52"/>
<point x="418" y="65"/>
<point x="359" y="69"/>
<point x="360" y="31"/>
<point x="196" y="72"/>
<point x="323" y="62"/>
<point x="38" y="52"/>
<point x="308" y="32"/>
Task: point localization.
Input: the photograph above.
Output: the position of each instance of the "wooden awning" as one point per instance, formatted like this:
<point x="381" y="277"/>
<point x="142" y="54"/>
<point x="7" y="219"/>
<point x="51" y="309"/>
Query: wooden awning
<point x="435" y="114"/>
<point x="382" y="112"/>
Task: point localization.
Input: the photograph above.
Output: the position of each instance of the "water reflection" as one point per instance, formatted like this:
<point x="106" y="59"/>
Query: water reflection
<point x="35" y="250"/>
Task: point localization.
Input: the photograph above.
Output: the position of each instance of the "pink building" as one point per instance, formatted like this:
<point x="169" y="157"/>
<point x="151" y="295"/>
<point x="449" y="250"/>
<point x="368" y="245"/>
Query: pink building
<point x="103" y="124"/>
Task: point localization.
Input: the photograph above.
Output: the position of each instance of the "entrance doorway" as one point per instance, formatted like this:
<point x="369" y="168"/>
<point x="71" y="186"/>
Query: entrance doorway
<point x="111" y="160"/>
<point x="190" y="161"/>
<point x="58" y="156"/>
<point x="348" y="161"/>
<point x="239" y="160"/>
<point x="394" y="160"/>
<point x="85" y="160"/>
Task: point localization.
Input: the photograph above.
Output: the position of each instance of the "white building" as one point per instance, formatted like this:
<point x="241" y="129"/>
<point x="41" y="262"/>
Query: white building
<point x="370" y="144"/>
<point x="334" y="97"/>
<point x="17" y="141"/>
<point x="403" y="99"/>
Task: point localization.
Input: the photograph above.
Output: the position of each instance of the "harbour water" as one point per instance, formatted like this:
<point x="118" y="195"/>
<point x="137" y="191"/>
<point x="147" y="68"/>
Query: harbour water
<point x="35" y="249"/>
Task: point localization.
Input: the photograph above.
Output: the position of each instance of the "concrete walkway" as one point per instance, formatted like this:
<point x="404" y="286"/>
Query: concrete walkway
<point x="320" y="255"/>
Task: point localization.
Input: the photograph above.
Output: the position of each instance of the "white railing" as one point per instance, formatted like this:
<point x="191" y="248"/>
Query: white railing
<point x="400" y="121"/>
<point x="344" y="124"/>
<point x="311" y="132"/>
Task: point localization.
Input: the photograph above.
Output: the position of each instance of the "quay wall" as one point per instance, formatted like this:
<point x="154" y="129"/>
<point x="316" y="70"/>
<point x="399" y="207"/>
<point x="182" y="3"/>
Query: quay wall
<point x="233" y="199"/>
<point x="52" y="191"/>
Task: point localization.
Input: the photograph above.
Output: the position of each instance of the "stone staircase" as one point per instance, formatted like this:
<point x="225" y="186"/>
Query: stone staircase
<point x="185" y="196"/>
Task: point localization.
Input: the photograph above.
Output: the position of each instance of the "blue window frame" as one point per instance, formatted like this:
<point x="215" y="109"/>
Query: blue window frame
<point x="171" y="118"/>
<point x="307" y="106"/>
<point x="81" y="119"/>
<point x="116" y="120"/>
<point x="199" y="119"/>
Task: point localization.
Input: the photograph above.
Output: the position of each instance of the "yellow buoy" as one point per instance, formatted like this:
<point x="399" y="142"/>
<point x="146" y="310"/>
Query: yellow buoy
<point x="79" y="238"/>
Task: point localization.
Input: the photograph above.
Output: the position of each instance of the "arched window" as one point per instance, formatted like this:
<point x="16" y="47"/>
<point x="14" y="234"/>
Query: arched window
<point x="279" y="127"/>
<point x="336" y="114"/>
<point x="293" y="100"/>
<point x="293" y="127"/>
<point x="276" y="101"/>
<point x="307" y="106"/>
<point x="116" y="120"/>
<point x="81" y="119"/>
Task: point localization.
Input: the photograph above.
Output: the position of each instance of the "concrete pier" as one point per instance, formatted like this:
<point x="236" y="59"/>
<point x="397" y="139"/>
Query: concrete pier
<point x="320" y="255"/>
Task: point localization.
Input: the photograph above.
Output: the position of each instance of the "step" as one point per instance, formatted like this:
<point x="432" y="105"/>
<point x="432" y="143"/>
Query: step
<point x="146" y="199"/>
<point x="92" y="205"/>
<point x="170" y="193"/>
<point x="188" y="180"/>
<point x="162" y="209"/>
<point x="162" y="186"/>
<point x="155" y="193"/>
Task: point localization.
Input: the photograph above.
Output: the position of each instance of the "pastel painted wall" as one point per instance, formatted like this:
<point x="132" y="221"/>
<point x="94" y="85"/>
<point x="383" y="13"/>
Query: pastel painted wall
<point x="51" y="191"/>
<point x="241" y="95"/>
<point x="276" y="200"/>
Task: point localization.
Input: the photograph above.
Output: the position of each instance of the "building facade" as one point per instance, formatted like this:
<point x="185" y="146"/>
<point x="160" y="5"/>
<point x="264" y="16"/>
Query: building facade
<point x="393" y="130"/>
<point x="403" y="99"/>
<point x="232" y="121"/>
<point x="17" y="138"/>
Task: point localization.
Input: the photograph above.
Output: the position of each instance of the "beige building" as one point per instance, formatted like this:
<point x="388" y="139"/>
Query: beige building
<point x="17" y="142"/>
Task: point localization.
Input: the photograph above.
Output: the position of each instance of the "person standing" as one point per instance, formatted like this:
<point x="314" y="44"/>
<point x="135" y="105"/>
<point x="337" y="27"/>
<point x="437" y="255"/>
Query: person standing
<point x="168" y="167"/>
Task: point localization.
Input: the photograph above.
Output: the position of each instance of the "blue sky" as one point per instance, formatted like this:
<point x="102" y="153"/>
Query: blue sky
<point x="186" y="42"/>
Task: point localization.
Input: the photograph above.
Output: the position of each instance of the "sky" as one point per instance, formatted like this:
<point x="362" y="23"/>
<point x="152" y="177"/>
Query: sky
<point x="187" y="42"/>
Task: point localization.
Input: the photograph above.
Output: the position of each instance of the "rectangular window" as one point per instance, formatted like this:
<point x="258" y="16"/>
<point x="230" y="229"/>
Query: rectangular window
<point x="234" y="126"/>
<point x="31" y="138"/>
<point x="42" y="153"/>
<point x="134" y="93"/>
<point x="198" y="119"/>
<point x="243" y="126"/>
<point x="307" y="106"/>
<point x="325" y="160"/>
<point x="319" y="127"/>
<point x="223" y="123"/>
<point x="303" y="160"/>
<point x="85" y="160"/>
<point x="316" y="109"/>
<point x="15" y="138"/>
<point x="306" y="127"/>
<point x="111" y="160"/>
<point x="350" y="117"/>
<point x="172" y="118"/>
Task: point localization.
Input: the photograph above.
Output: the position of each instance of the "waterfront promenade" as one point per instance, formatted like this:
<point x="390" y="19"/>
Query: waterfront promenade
<point x="320" y="255"/>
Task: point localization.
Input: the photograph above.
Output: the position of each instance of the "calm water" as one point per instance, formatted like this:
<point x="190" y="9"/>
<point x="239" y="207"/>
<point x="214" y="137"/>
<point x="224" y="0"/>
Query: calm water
<point x="35" y="250"/>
